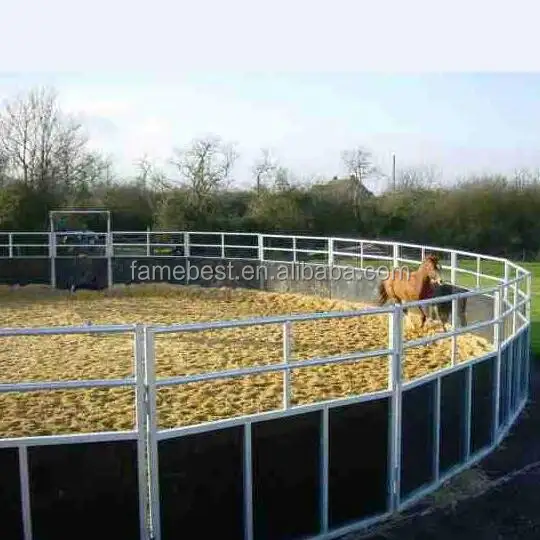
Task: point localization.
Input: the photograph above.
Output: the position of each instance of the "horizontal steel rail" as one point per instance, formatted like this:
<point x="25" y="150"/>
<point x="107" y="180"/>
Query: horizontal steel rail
<point x="269" y="368"/>
<point x="263" y="321"/>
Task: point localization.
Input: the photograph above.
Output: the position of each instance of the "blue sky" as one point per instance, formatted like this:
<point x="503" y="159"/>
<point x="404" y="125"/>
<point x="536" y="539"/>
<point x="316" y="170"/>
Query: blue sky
<point x="460" y="123"/>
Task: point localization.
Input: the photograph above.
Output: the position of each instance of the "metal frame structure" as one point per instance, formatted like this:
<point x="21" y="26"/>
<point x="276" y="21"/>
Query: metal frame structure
<point x="509" y="300"/>
<point x="53" y="246"/>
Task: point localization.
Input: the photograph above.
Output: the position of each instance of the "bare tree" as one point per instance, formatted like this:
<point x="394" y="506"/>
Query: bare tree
<point x="205" y="166"/>
<point x="426" y="176"/>
<point x="283" y="180"/>
<point x="526" y="177"/>
<point x="263" y="169"/>
<point x="359" y="165"/>
<point x="144" y="169"/>
<point x="42" y="145"/>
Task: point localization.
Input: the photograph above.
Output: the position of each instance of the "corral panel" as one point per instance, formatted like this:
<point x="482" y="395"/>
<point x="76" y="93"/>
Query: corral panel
<point x="286" y="479"/>
<point x="504" y="394"/>
<point x="358" y="437"/>
<point x="417" y="437"/>
<point x="10" y="495"/>
<point x="483" y="379"/>
<point x="84" y="491"/>
<point x="452" y="441"/>
<point x="201" y="485"/>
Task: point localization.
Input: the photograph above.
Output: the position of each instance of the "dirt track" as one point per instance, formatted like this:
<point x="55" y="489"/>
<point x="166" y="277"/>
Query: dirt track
<point x="40" y="358"/>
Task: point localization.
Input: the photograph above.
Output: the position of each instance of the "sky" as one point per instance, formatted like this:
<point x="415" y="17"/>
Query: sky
<point x="460" y="124"/>
<point x="451" y="85"/>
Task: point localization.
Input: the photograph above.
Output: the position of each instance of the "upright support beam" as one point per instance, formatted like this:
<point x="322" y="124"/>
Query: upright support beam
<point x="395" y="344"/>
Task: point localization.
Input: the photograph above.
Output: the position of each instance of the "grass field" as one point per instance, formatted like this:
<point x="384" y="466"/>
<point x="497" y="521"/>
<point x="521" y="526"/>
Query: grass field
<point x="40" y="358"/>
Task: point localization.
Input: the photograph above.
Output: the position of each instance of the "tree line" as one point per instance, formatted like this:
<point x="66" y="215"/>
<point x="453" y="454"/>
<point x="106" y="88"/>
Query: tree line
<point x="46" y="163"/>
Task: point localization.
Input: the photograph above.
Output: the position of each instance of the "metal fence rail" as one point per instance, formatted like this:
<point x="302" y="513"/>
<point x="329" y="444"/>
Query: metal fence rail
<point x="510" y="293"/>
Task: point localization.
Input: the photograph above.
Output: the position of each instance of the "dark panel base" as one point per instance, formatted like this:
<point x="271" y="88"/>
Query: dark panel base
<point x="25" y="271"/>
<point x="483" y="381"/>
<point x="81" y="273"/>
<point x="10" y="495"/>
<point x="358" y="468"/>
<point x="84" y="491"/>
<point x="201" y="485"/>
<point x="286" y="479"/>
<point x="452" y="441"/>
<point x="417" y="437"/>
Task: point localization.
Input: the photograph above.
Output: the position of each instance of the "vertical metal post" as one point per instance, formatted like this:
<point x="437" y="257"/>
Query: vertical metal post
<point x="453" y="267"/>
<point x="52" y="255"/>
<point x="394" y="382"/>
<point x="148" y="242"/>
<point x="222" y="245"/>
<point x="528" y="341"/>
<point x="437" y="430"/>
<point x="109" y="250"/>
<point x="330" y="252"/>
<point x="395" y="254"/>
<point x="528" y="363"/>
<point x="454" y="322"/>
<point x="286" y="360"/>
<point x="515" y="305"/>
<point x="52" y="250"/>
<point x="295" y="256"/>
<point x="152" y="448"/>
<point x="468" y="411"/>
<point x="325" y="464"/>
<point x="361" y="254"/>
<point x="509" y="378"/>
<point x="187" y="250"/>
<point x="519" y="361"/>
<point x="10" y="245"/>
<point x="260" y="243"/>
<point x="248" y="483"/>
<point x="24" y="479"/>
<point x="141" y="418"/>
<point x="506" y="278"/>
<point x="497" y="335"/>
<point x="529" y="296"/>
<point x="478" y="272"/>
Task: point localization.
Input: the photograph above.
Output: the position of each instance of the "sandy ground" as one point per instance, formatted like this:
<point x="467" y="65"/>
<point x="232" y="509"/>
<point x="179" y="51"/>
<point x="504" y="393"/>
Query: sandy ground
<point x="41" y="358"/>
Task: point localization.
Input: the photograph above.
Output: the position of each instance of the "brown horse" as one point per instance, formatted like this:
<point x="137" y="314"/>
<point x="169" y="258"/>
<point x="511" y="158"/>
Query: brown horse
<point x="417" y="285"/>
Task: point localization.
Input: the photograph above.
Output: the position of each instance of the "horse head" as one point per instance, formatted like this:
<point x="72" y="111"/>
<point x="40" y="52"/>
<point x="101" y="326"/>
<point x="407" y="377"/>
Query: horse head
<point x="433" y="269"/>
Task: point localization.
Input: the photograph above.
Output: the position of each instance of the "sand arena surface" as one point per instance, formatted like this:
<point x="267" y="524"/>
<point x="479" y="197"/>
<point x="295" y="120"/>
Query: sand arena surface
<point x="40" y="358"/>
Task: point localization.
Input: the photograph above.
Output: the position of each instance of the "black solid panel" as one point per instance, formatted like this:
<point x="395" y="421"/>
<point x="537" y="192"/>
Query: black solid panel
<point x="10" y="495"/>
<point x="452" y="440"/>
<point x="25" y="271"/>
<point x="503" y="392"/>
<point x="201" y="485"/>
<point x="358" y="462"/>
<point x="81" y="272"/>
<point x="524" y="372"/>
<point x="510" y="378"/>
<point x="286" y="477"/>
<point x="482" y="401"/>
<point x="518" y="358"/>
<point x="417" y="437"/>
<point x="84" y="491"/>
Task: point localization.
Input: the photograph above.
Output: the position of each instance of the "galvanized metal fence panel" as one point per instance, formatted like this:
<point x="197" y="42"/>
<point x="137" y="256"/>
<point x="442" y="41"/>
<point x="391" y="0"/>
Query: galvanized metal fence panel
<point x="509" y="363"/>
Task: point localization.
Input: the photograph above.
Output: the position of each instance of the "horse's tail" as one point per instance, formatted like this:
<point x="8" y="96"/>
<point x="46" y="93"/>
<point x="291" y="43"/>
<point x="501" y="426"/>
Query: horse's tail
<point x="383" y="294"/>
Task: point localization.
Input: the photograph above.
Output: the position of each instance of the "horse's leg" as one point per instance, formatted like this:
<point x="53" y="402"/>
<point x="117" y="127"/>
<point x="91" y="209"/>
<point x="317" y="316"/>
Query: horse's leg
<point x="423" y="317"/>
